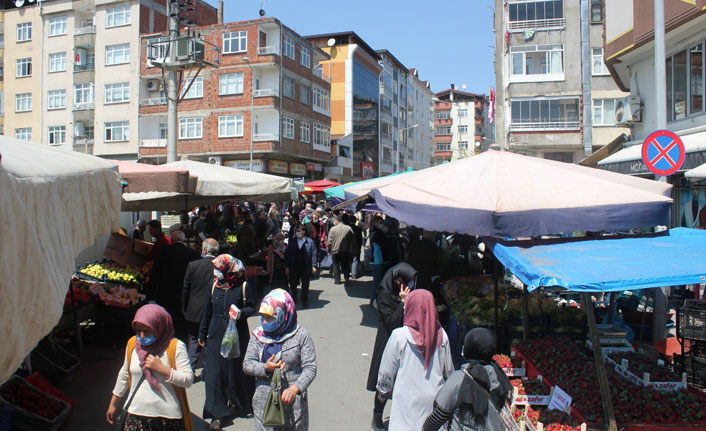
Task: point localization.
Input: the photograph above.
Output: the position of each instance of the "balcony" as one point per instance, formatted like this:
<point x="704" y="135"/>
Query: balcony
<point x="545" y="125"/>
<point x="86" y="106"/>
<point x="86" y="68"/>
<point x="153" y="143"/>
<point x="443" y="121"/>
<point x="91" y="29"/>
<point x="268" y="50"/>
<point x="153" y="101"/>
<point x="266" y="92"/>
<point x="444" y="106"/>
<point x="83" y="145"/>
<point x="263" y="137"/>
<point x="536" y="24"/>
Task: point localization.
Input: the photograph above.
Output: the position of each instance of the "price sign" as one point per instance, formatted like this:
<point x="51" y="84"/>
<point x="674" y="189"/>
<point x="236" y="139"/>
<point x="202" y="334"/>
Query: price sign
<point x="560" y="400"/>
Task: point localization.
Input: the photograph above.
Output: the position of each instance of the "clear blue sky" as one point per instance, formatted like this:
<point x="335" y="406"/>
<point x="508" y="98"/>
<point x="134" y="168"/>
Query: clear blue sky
<point x="449" y="41"/>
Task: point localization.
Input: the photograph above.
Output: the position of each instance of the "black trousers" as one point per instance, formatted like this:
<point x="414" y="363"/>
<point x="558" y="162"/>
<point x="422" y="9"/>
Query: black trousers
<point x="195" y="351"/>
<point x="299" y="276"/>
<point x="341" y="263"/>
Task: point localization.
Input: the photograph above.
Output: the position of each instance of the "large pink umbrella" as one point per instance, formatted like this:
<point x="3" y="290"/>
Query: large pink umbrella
<point x="503" y="194"/>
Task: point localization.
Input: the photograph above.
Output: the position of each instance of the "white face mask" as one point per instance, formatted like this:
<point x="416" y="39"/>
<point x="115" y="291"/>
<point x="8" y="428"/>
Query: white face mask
<point x="300" y="235"/>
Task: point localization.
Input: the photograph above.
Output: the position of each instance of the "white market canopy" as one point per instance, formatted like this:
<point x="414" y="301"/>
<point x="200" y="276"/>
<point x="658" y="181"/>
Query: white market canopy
<point x="214" y="184"/>
<point x="53" y="204"/>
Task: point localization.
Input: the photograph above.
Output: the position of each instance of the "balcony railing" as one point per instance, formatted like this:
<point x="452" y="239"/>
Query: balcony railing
<point x="84" y="106"/>
<point x="87" y="68"/>
<point x="266" y="50"/>
<point x="153" y="143"/>
<point x="90" y="29"/>
<point x="266" y="92"/>
<point x="536" y="24"/>
<point x="546" y="125"/>
<point x="153" y="101"/>
<point x="261" y="137"/>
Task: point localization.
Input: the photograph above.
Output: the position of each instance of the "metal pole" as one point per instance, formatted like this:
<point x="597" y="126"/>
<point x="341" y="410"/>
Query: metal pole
<point x="173" y="14"/>
<point x="660" y="304"/>
<point x="252" y="111"/>
<point x="586" y="79"/>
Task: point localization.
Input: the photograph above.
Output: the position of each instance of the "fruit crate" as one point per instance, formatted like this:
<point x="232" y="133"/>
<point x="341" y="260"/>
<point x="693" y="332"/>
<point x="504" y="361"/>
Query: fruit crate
<point x="25" y="420"/>
<point x="53" y="362"/>
<point x="694" y="367"/>
<point x="691" y="320"/>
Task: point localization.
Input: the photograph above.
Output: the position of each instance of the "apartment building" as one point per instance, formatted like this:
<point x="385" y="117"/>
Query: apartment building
<point x="268" y="97"/>
<point x="420" y="117"/>
<point x="540" y="95"/>
<point x="394" y="127"/>
<point x="2" y="72"/>
<point x="459" y="125"/>
<point x="75" y="71"/>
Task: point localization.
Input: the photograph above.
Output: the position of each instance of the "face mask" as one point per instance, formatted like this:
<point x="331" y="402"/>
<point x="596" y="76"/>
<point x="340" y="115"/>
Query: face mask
<point x="218" y="274"/>
<point x="146" y="341"/>
<point x="269" y="326"/>
<point x="300" y="235"/>
<point x="410" y="285"/>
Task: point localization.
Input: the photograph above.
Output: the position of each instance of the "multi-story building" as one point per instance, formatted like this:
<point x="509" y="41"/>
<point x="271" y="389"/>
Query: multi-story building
<point x="420" y="117"/>
<point x="354" y="71"/>
<point x="2" y="71"/>
<point x="459" y="125"/>
<point x="394" y="127"/>
<point x="267" y="97"/>
<point x="630" y="58"/>
<point x="75" y="71"/>
<point x="541" y="96"/>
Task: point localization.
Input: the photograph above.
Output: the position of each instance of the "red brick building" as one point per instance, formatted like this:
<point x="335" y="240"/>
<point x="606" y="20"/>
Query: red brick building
<point x="266" y="96"/>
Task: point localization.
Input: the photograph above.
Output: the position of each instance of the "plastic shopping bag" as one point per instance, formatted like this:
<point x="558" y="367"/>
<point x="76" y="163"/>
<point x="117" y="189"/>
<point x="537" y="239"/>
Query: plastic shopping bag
<point x="230" y="346"/>
<point x="326" y="260"/>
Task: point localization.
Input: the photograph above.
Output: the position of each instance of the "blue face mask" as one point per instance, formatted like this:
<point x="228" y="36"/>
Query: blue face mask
<point x="146" y="341"/>
<point x="270" y="326"/>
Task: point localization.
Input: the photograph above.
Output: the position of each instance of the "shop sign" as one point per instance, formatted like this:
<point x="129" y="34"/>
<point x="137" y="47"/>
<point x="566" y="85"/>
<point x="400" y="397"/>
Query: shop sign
<point x="258" y="165"/>
<point x="534" y="400"/>
<point x="367" y="170"/>
<point x="298" y="169"/>
<point x="316" y="167"/>
<point x="278" y="167"/>
<point x="560" y="400"/>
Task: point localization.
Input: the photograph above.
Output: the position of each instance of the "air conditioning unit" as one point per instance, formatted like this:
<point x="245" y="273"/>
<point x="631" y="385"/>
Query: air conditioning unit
<point x="79" y="129"/>
<point x="153" y="85"/>
<point x="215" y="160"/>
<point x="628" y="110"/>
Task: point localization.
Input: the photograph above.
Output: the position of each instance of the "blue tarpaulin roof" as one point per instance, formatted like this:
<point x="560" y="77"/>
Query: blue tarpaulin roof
<point x="603" y="265"/>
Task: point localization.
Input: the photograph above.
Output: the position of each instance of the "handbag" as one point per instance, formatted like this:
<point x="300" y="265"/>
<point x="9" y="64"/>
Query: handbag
<point x="273" y="414"/>
<point x="123" y="415"/>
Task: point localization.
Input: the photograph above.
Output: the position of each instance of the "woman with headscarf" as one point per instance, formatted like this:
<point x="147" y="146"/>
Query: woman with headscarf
<point x="394" y="287"/>
<point x="416" y="362"/>
<point x="226" y="385"/>
<point x="281" y="343"/>
<point x="473" y="395"/>
<point x="155" y="373"/>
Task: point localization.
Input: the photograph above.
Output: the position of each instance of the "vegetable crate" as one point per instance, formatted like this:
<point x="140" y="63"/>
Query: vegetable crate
<point x="691" y="320"/>
<point x="30" y="409"/>
<point x="694" y="367"/>
<point x="53" y="362"/>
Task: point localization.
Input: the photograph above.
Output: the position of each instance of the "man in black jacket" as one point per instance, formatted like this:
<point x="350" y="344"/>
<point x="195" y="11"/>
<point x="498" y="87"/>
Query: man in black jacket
<point x="197" y="291"/>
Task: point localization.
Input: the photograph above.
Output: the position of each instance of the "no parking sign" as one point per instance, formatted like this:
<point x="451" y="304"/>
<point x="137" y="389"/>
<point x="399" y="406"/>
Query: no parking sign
<point x="663" y="152"/>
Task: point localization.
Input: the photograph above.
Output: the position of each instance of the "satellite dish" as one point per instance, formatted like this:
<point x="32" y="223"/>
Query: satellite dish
<point x="331" y="42"/>
<point x="19" y="3"/>
<point x="262" y="12"/>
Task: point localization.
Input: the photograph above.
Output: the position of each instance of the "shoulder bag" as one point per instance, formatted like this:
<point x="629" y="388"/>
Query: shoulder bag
<point x="123" y="415"/>
<point x="273" y="413"/>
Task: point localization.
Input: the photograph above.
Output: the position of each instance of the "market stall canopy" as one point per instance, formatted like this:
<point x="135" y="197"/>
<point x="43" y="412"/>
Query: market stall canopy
<point x="53" y="204"/>
<point x="313" y="187"/>
<point x="606" y="264"/>
<point x="215" y="183"/>
<point x="143" y="177"/>
<point x="338" y="192"/>
<point x="502" y="194"/>
<point x="696" y="174"/>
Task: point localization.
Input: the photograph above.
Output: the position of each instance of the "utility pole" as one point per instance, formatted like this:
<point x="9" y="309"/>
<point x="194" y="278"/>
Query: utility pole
<point x="173" y="30"/>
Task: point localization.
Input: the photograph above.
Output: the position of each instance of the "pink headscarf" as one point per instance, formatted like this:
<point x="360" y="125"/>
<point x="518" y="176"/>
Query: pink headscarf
<point x="160" y="322"/>
<point x="421" y="318"/>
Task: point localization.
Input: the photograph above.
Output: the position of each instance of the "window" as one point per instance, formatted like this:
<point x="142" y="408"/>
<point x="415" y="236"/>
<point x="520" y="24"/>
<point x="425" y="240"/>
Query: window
<point x="596" y="11"/>
<point x="685" y="83"/>
<point x="57" y="62"/>
<point x="443" y="115"/>
<point x="57" y="99"/>
<point x="23" y="102"/>
<point x="24" y="134"/>
<point x="195" y="90"/>
<point x="288" y="127"/>
<point x="536" y="60"/>
<point x="24" y="67"/>
<point x="305" y="95"/>
<point x="289" y="47"/>
<point x="560" y="157"/>
<point x="536" y="14"/>
<point x="289" y="87"/>
<point x="90" y="132"/>
<point x="235" y="41"/>
<point x="230" y="83"/>
<point x="545" y="114"/>
<point x="443" y="146"/>
<point x="24" y="32"/>
<point x="322" y="137"/>
<point x="118" y="16"/>
<point x="598" y="66"/>
<point x="163" y="131"/>
<point x="117" y="54"/>
<point x="117" y="131"/>
<point x="318" y="71"/>
<point x="443" y="131"/>
<point x="386" y="129"/>
<point x="462" y="129"/>
<point x="117" y="93"/>
<point x="463" y="113"/>
<point x="306" y="132"/>
<point x="83" y="94"/>
<point x="190" y="128"/>
<point x="603" y="112"/>
<point x="304" y="57"/>
<point x="57" y="135"/>
<point x="321" y="100"/>
<point x="463" y="145"/>
<point x="385" y="104"/>
<point x="230" y="126"/>
<point x="57" y="26"/>
<point x="696" y="79"/>
<point x="387" y="155"/>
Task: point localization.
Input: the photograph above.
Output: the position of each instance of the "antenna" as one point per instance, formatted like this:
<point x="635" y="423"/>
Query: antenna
<point x="262" y="8"/>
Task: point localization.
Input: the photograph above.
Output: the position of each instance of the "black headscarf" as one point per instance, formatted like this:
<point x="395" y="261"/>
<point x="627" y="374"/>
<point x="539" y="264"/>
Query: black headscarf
<point x="478" y="350"/>
<point x="402" y="270"/>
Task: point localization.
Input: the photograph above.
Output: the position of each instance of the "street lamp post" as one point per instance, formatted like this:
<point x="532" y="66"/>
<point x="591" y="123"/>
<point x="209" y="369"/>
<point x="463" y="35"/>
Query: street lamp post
<point x="252" y="108"/>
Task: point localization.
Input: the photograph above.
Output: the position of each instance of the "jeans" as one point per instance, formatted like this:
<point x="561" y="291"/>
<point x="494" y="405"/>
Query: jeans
<point x="341" y="264"/>
<point x="378" y="271"/>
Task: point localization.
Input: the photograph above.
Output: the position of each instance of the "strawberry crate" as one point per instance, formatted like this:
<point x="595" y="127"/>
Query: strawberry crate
<point x="30" y="409"/>
<point x="623" y="369"/>
<point x="691" y="320"/>
<point x="531" y="392"/>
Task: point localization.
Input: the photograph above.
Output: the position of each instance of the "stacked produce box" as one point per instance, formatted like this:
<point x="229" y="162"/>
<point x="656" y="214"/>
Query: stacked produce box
<point x="691" y="331"/>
